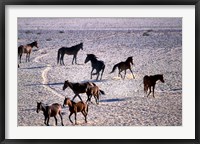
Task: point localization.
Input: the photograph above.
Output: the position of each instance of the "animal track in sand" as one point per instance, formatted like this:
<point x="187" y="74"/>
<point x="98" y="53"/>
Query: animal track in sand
<point x="44" y="76"/>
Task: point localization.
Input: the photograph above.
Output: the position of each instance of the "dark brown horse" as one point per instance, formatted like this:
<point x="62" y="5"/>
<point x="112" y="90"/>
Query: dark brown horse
<point x="96" y="64"/>
<point x="94" y="91"/>
<point x="123" y="66"/>
<point x="74" y="108"/>
<point x="150" y="81"/>
<point x="70" y="51"/>
<point x="26" y="49"/>
<point x="77" y="87"/>
<point x="50" y="111"/>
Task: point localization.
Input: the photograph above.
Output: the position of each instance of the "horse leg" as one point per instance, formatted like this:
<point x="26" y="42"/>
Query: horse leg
<point x="85" y="115"/>
<point x="149" y="91"/>
<point x="56" y="120"/>
<point x="153" y="90"/>
<point x="20" y="56"/>
<point x="75" y="117"/>
<point x="29" y="56"/>
<point x="80" y="97"/>
<point x="70" y="117"/>
<point x="124" y="74"/>
<point x="45" y="120"/>
<point x="132" y="73"/>
<point x="61" y="118"/>
<point x="119" y="74"/>
<point x="91" y="73"/>
<point x="97" y="76"/>
<point x="62" y="59"/>
<point x="48" y="120"/>
<point x="26" y="57"/>
<point x="73" y="59"/>
<point x="74" y="97"/>
<point x="102" y="72"/>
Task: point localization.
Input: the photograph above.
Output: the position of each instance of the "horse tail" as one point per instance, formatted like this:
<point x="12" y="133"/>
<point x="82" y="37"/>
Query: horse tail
<point x="102" y="92"/>
<point x="58" y="56"/>
<point x="115" y="66"/>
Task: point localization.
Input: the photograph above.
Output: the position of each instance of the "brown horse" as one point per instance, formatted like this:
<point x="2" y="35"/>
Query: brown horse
<point x="26" y="49"/>
<point x="123" y="66"/>
<point x="70" y="51"/>
<point x="74" y="108"/>
<point x="77" y="87"/>
<point x="150" y="81"/>
<point x="50" y="111"/>
<point x="94" y="91"/>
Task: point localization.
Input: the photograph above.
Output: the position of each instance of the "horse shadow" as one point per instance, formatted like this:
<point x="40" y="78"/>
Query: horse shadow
<point x="103" y="80"/>
<point x="115" y="100"/>
<point x="49" y="84"/>
<point x="37" y="67"/>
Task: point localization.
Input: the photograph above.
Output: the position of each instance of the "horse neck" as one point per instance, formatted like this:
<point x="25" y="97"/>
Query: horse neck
<point x="71" y="85"/>
<point x="70" y="103"/>
<point x="157" y="77"/>
<point x="93" y="60"/>
<point x="44" y="107"/>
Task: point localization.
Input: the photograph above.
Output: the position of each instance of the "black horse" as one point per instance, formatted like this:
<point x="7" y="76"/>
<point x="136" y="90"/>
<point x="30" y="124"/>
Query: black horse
<point x="150" y="81"/>
<point x="70" y="51"/>
<point x="96" y="64"/>
<point x="26" y="49"/>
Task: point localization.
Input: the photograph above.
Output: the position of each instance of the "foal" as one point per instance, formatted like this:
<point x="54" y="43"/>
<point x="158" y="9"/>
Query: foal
<point x="74" y="108"/>
<point x="94" y="91"/>
<point x="50" y="111"/>
<point x="150" y="81"/>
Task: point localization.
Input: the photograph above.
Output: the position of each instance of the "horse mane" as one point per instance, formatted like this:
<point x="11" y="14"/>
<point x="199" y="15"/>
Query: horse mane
<point x="129" y="58"/>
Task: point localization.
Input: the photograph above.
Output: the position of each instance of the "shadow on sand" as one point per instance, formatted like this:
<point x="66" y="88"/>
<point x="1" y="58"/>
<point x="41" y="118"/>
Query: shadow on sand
<point x="114" y="100"/>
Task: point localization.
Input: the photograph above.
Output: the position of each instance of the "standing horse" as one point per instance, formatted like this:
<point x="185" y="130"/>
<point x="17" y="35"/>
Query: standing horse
<point x="96" y="64"/>
<point x="74" y="108"/>
<point x="77" y="88"/>
<point x="50" y="111"/>
<point x="150" y="81"/>
<point x="26" y="49"/>
<point x="123" y="66"/>
<point x="70" y="51"/>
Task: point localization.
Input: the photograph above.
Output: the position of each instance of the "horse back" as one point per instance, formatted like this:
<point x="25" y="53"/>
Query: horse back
<point x="80" y="106"/>
<point x="54" y="109"/>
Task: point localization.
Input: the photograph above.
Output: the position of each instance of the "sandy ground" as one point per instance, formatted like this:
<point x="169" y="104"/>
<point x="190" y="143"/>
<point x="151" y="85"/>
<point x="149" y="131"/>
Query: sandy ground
<point x="124" y="103"/>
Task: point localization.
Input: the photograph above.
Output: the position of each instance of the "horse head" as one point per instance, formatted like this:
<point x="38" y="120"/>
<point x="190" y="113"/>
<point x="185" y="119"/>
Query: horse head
<point x="36" y="44"/>
<point x="161" y="78"/>
<point x="65" y="84"/>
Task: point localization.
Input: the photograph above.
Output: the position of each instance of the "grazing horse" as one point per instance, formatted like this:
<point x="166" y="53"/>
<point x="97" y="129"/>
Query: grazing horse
<point x="77" y="88"/>
<point x="26" y="49"/>
<point x="74" y="108"/>
<point x="96" y="64"/>
<point x="94" y="91"/>
<point x="70" y="51"/>
<point x="123" y="66"/>
<point x="50" y="111"/>
<point x="150" y="81"/>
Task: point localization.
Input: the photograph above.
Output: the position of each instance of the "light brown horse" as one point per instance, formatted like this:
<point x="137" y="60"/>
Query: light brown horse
<point x="26" y="49"/>
<point x="123" y="66"/>
<point x="74" y="108"/>
<point x="50" y="111"/>
<point x="77" y="87"/>
<point x="150" y="81"/>
<point x="94" y="91"/>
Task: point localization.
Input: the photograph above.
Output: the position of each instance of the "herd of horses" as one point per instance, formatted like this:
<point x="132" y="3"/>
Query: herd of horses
<point x="90" y="88"/>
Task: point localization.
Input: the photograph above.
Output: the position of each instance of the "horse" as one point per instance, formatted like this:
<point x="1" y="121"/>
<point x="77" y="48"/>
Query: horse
<point x="123" y="66"/>
<point x="50" y="111"/>
<point x="94" y="91"/>
<point x="26" y="49"/>
<point x="74" y="108"/>
<point x="150" y="81"/>
<point x="96" y="64"/>
<point x="77" y="88"/>
<point x="73" y="50"/>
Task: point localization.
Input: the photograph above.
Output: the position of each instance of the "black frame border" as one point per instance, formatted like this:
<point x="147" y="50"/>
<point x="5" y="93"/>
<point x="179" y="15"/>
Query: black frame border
<point x="3" y="4"/>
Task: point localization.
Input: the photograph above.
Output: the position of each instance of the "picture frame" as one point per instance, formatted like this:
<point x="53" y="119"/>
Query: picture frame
<point x="3" y="5"/>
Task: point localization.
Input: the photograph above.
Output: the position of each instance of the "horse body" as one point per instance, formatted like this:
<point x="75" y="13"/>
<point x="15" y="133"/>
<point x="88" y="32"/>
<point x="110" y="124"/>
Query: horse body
<point x="123" y="66"/>
<point x="70" y="51"/>
<point x="26" y="49"/>
<point x="77" y="88"/>
<point x="98" y="65"/>
<point x="94" y="91"/>
<point x="150" y="82"/>
<point x="50" y="111"/>
<point x="74" y="108"/>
